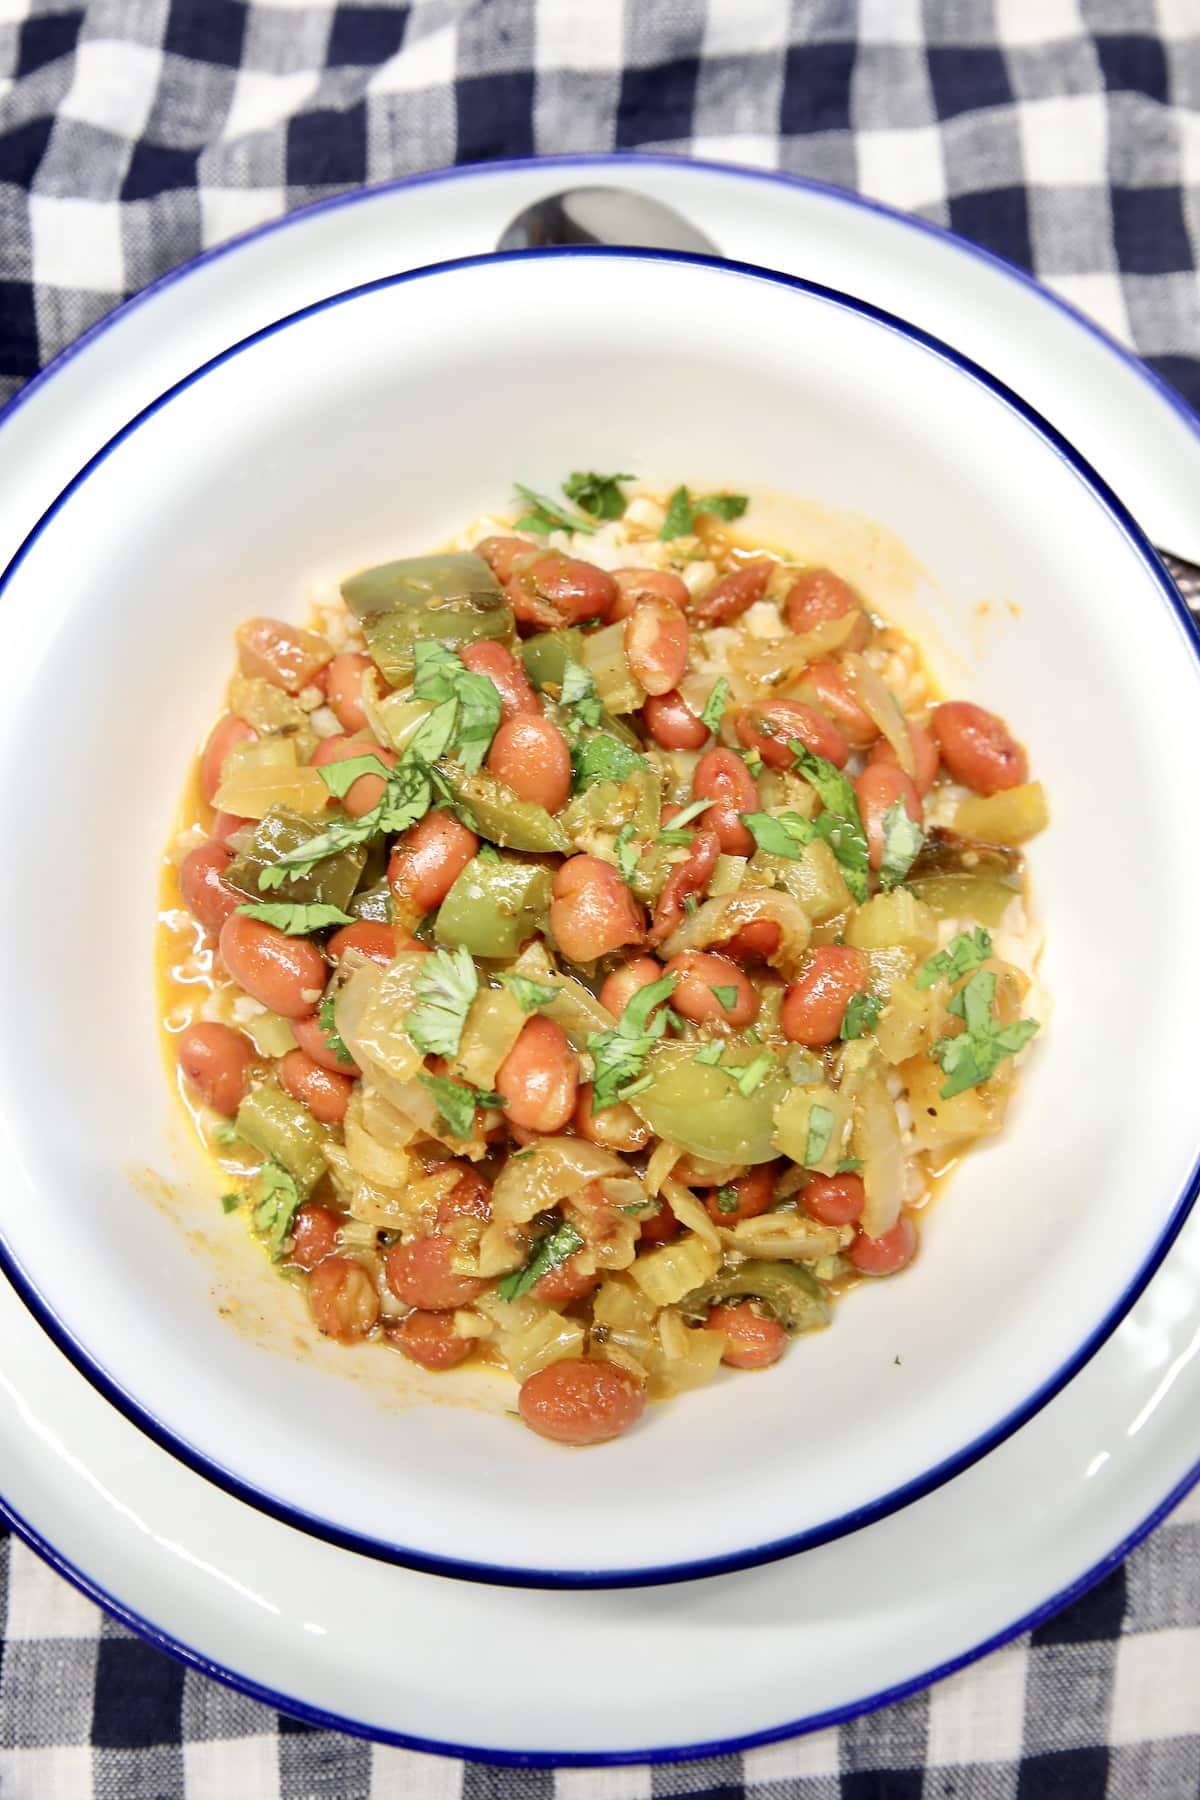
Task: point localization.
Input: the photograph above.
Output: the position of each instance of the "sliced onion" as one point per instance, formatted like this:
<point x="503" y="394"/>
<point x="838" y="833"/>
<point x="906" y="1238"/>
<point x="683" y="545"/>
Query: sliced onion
<point x="873" y="695"/>
<point x="662" y="1160"/>
<point x="371" y="1009"/>
<point x="779" y="658"/>
<point x="718" y="920"/>
<point x="880" y="1148"/>
<point x="688" y="1210"/>
<point x="783" y="1237"/>
<point x="574" y="1007"/>
<point x="492" y="1027"/>
<point x="552" y="1169"/>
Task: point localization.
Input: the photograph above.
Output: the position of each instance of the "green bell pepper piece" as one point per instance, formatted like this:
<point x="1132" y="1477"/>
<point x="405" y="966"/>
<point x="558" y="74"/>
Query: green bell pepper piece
<point x="280" y="1127"/>
<point x="494" y="907"/>
<point x="374" y="903"/>
<point x="454" y="598"/>
<point x="545" y="654"/>
<point x="503" y="817"/>
<point x="795" y="1297"/>
<point x="983" y="897"/>
<point x="701" y="1108"/>
<point x="332" y="881"/>
<point x="607" y="805"/>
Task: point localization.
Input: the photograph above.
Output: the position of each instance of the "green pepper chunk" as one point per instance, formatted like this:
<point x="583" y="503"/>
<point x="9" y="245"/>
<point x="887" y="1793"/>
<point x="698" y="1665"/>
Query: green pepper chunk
<point x="374" y="903"/>
<point x="982" y="897"/>
<point x="787" y="1290"/>
<point x="280" y="1127"/>
<point x="701" y="1108"/>
<point x="495" y="906"/>
<point x="454" y="598"/>
<point x="332" y="881"/>
<point x="545" y="654"/>
<point x="607" y="805"/>
<point x="503" y="817"/>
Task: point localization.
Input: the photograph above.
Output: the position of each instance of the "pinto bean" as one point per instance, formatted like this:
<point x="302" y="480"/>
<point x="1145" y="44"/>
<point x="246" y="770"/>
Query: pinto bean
<point x="325" y="1094"/>
<point x="284" y="974"/>
<point x="428" y="860"/>
<point x="581" y="1402"/>
<point x="504" y="555"/>
<point x="208" y="897"/>
<point x="530" y="756"/>
<point x="888" y="1254"/>
<point x="756" y="942"/>
<point x="370" y="936"/>
<point x="367" y="791"/>
<point x="721" y="775"/>
<point x="616" y="1127"/>
<point x="552" y="590"/>
<point x="559" y="1287"/>
<point x="878" y="789"/>
<point x="978" y="748"/>
<point x="828" y="686"/>
<point x="314" y="1235"/>
<point x="656" y="645"/>
<point x="690" y="877"/>
<point x="636" y="585"/>
<point x="312" y="1038"/>
<point x="539" y="1078"/>
<point x="818" y="595"/>
<point x="815" y="1005"/>
<point x="469" y="1198"/>
<point x="429" y="1339"/>
<point x="343" y="687"/>
<point x="421" y="1273"/>
<point x="216" y="1060"/>
<point x="592" y="912"/>
<point x="506" y="674"/>
<point x="752" y="1340"/>
<point x="926" y="756"/>
<point x="744" y="1198"/>
<point x="769" y="726"/>
<point x="835" y="1199"/>
<point x="672" y="723"/>
<point x="343" y="1298"/>
<point x="618" y="988"/>
<point x="699" y="972"/>
<point x="728" y="598"/>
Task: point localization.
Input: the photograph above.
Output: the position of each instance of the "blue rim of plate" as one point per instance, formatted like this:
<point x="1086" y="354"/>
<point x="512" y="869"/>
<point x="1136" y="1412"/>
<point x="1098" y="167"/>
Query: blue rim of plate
<point x="423" y="1561"/>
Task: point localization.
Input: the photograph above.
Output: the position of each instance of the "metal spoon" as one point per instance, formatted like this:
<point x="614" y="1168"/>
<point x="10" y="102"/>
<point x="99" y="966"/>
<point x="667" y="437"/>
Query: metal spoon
<point x="621" y="218"/>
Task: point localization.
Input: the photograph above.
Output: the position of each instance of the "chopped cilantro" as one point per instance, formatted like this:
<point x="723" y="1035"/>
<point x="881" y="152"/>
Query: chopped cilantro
<point x="550" y="1254"/>
<point x="727" y="996"/>
<point x="780" y="834"/>
<point x="226" y="1133"/>
<point x="439" y="674"/>
<point x="861" y="1015"/>
<point x="902" y="842"/>
<point x="618" y="1054"/>
<point x="445" y="988"/>
<point x="669" y="835"/>
<point x="976" y="1054"/>
<point x="488" y="853"/>
<point x="723" y="506"/>
<point x="841" y="823"/>
<point x="578" y="691"/>
<point x="636" y="1208"/>
<point x="328" y="1024"/>
<point x="627" y="853"/>
<point x="295" y="920"/>
<point x="691" y="905"/>
<point x="529" y="995"/>
<point x="689" y="812"/>
<point x="230" y="1202"/>
<point x="545" y="515"/>
<point x="456" y="1102"/>
<point x="340" y="777"/>
<point x="597" y="494"/>
<point x="600" y="757"/>
<point x="962" y="954"/>
<point x="820" y="1130"/>
<point x="682" y="509"/>
<point x="709" y="1055"/>
<point x="727" y="1199"/>
<point x="849" y="1165"/>
<point x="751" y="1074"/>
<point x="714" y="706"/>
<point x="276" y="1202"/>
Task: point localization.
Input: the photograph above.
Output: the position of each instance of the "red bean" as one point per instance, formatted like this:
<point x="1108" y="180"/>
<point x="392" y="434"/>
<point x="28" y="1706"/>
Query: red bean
<point x="221" y="740"/>
<point x="208" y="898"/>
<point x="344" y="1299"/>
<point x="370" y="936"/>
<point x="539" y="1078"/>
<point x="661" y="1227"/>
<point x="756" y="942"/>
<point x="429" y="1338"/>
<point x="280" y="653"/>
<point x="770" y="725"/>
<point x="314" y="1235"/>
<point x="880" y="787"/>
<point x="925" y="757"/>
<point x="672" y="723"/>
<point x="504" y="555"/>
<point x="325" y="1094"/>
<point x="732" y="595"/>
<point x="581" y="1402"/>
<point x="216" y="1060"/>
<point x="226" y="825"/>
<point x="656" y="645"/>
<point x="978" y="748"/>
<point x="835" y="1199"/>
<point x="722" y="775"/>
<point x="284" y="974"/>
<point x="552" y="590"/>
<point x="566" y="1283"/>
<point x="888" y="1254"/>
<point x="428" y="860"/>
<point x="818" y="595"/>
<point x="367" y="791"/>
<point x="343" y="686"/>
<point x="636" y="585"/>
<point x="469" y="1198"/>
<point x="421" y="1274"/>
<point x="592" y="912"/>
<point x="311" y="1036"/>
<point x="506" y="674"/>
<point x="699" y="972"/>
<point x="828" y="686"/>
<point x="815" y="1005"/>
<point x="744" y="1198"/>
<point x="618" y="988"/>
<point x="530" y="756"/>
<point x="686" y="878"/>
<point x="752" y="1341"/>
<point x="616" y="1127"/>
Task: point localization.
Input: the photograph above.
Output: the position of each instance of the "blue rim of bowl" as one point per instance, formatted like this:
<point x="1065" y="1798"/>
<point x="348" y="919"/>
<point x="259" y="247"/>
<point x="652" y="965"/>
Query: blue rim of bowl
<point x="435" y="1564"/>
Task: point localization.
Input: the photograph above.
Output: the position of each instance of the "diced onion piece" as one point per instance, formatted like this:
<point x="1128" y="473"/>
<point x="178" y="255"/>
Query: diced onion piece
<point x="878" y="1145"/>
<point x="873" y="695"/>
<point x="785" y="1237"/>
<point x="621" y="1306"/>
<point x="604" y="657"/>
<point x="575" y="1007"/>
<point x="624" y="1190"/>
<point x="728" y="875"/>
<point x="612" y="1352"/>
<point x="384" y="1208"/>
<point x="665" y="1275"/>
<point x="684" y="1356"/>
<point x="252" y="792"/>
<point x="797" y="1135"/>
<point x="371" y="1011"/>
<point x="493" y="1025"/>
<point x="1009" y="817"/>
<point x="550" y="1339"/>
<point x="356" y="1235"/>
<point x="270" y="1034"/>
<point x="553" y="1168"/>
<point x="894" y="921"/>
<point x="471" y="1324"/>
<point x="662" y="1160"/>
<point x="387" y="1165"/>
<point x="395" y="718"/>
<point x="265" y="706"/>
<point x="718" y="920"/>
<point x="940" y="1125"/>
<point x="688" y="1210"/>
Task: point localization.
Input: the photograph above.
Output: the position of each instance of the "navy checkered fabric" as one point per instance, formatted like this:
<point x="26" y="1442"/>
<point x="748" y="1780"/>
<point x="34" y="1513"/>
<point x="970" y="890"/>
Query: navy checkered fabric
<point x="1062" y="134"/>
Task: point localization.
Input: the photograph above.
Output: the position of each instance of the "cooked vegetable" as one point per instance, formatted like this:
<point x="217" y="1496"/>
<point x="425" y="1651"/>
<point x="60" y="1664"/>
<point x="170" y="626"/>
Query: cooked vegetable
<point x="328" y="883"/>
<point x="1012" y="816"/>
<point x="502" y="818"/>
<point x="597" y="494"/>
<point x="698" y="1107"/>
<point x="979" y="897"/>
<point x="452" y="598"/>
<point x="791" y="1295"/>
<point x="295" y="920"/>
<point x="974" y="1056"/>
<point x="494" y="906"/>
<point x="618" y="1054"/>
<point x="285" y="1131"/>
<point x="546" y="655"/>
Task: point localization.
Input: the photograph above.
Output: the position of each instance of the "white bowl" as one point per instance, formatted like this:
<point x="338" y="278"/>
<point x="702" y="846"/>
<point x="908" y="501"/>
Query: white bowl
<point x="373" y="425"/>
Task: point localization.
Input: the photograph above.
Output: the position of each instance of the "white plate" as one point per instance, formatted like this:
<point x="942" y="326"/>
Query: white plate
<point x="813" y="1638"/>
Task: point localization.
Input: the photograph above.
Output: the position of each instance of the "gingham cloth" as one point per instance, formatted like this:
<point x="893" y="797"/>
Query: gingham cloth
<point x="1063" y="134"/>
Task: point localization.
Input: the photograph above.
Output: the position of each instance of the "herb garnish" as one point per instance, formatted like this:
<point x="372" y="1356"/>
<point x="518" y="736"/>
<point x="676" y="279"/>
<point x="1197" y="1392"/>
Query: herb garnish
<point x="440" y="675"/>
<point x="902" y="843"/>
<point x="780" y="834"/>
<point x="841" y="822"/>
<point x="962" y="954"/>
<point x="294" y="920"/>
<point x="714" y="706"/>
<point x="597" y="494"/>
<point x="445" y="988"/>
<point x="529" y="995"/>
<point x="333" y="1038"/>
<point x="601" y="757"/>
<point x="545" y="515"/>
<point x="618" y="1054"/>
<point x="820" y="1130"/>
<point x="682" y="509"/>
<point x="727" y="1200"/>
<point x="276" y="1202"/>
<point x="861" y="1015"/>
<point x="976" y="1054"/>
<point x="550" y="1254"/>
<point x="456" y="1101"/>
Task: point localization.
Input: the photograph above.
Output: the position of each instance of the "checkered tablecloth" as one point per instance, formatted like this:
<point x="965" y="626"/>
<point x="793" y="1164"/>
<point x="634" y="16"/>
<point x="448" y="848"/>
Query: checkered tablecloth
<point x="1064" y="134"/>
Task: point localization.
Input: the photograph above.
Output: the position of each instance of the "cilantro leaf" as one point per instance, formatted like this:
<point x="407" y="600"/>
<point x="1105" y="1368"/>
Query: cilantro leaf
<point x="597" y="494"/>
<point x="861" y="1015"/>
<point x="723" y="506"/>
<point x="749" y="1076"/>
<point x="456" y="1101"/>
<point x="295" y="920"/>
<point x="976" y="1054"/>
<point x="849" y="1166"/>
<point x="439" y="674"/>
<point x="445" y="988"/>
<point x="601" y="757"/>
<point x="226" y="1133"/>
<point x="820" y="1130"/>
<point x="328" y="1024"/>
<point x="628" y="855"/>
<point x="680" y="520"/>
<point x="902" y="842"/>
<point x="340" y="777"/>
<point x="546" y="515"/>
<point x="727" y="1200"/>
<point x="549" y="1254"/>
<point x="841" y="822"/>
<point x="578" y="691"/>
<point x="780" y="834"/>
<point x="714" y="706"/>
<point x="617" y="1055"/>
<point x="230" y="1202"/>
<point x="962" y="954"/>
<point x="276" y="1202"/>
<point x="709" y="1055"/>
<point x="726" y="996"/>
<point x="687" y="813"/>
<point x="528" y="994"/>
